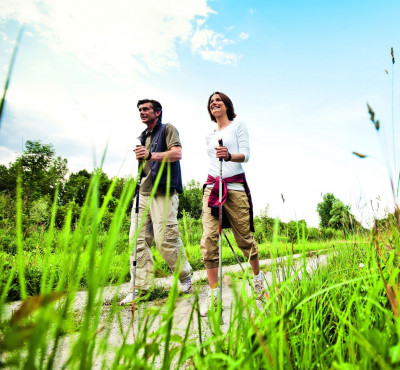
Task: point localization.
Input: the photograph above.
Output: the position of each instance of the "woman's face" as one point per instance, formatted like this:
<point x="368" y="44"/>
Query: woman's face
<point x="217" y="106"/>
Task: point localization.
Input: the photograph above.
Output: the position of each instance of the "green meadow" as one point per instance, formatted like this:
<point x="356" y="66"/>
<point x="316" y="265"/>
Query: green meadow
<point x="343" y="314"/>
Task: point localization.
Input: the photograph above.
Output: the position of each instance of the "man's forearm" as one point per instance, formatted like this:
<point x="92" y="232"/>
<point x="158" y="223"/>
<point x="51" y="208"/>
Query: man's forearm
<point x="168" y="156"/>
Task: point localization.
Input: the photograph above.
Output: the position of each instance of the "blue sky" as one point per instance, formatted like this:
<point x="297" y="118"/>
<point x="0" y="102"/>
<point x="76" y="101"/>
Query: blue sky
<point x="298" y="72"/>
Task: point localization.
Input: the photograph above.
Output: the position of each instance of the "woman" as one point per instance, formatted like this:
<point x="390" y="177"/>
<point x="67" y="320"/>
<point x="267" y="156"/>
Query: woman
<point x="237" y="208"/>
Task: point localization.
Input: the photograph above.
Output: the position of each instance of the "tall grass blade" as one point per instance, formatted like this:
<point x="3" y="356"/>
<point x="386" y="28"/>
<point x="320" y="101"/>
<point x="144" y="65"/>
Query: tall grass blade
<point x="20" y="259"/>
<point x="10" y="69"/>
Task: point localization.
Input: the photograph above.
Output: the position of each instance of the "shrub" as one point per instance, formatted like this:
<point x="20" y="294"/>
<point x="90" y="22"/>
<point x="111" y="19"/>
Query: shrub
<point x="39" y="211"/>
<point x="313" y="234"/>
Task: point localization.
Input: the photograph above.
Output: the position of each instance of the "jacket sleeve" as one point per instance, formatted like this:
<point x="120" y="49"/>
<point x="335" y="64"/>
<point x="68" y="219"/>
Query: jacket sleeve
<point x="243" y="140"/>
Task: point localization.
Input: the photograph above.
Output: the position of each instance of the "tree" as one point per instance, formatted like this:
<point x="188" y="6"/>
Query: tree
<point x="39" y="212"/>
<point x="266" y="225"/>
<point x="335" y="214"/>
<point x="296" y="230"/>
<point x="324" y="209"/>
<point x="40" y="169"/>
<point x="76" y="187"/>
<point x="120" y="183"/>
<point x="340" y="215"/>
<point x="104" y="183"/>
<point x="191" y="200"/>
<point x="7" y="210"/>
<point x="313" y="234"/>
<point x="8" y="179"/>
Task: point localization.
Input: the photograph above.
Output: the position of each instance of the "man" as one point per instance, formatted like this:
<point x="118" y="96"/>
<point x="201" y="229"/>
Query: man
<point x="158" y="142"/>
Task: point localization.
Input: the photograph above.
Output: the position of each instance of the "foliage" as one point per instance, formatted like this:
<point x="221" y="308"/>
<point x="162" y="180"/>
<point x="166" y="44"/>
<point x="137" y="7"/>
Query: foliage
<point x="7" y="209"/>
<point x="329" y="233"/>
<point x="39" y="211"/>
<point x="264" y="226"/>
<point x="310" y="319"/>
<point x="342" y="219"/>
<point x="190" y="229"/>
<point x="296" y="231"/>
<point x="333" y="213"/>
<point x="35" y="244"/>
<point x="313" y="234"/>
<point x="41" y="170"/>
<point x="190" y="201"/>
<point x="76" y="187"/>
<point x="324" y="209"/>
<point x="8" y="178"/>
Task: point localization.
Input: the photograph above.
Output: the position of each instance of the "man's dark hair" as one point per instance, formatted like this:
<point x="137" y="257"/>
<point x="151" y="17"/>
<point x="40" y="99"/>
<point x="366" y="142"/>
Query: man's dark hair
<point x="230" y="111"/>
<point x="154" y="104"/>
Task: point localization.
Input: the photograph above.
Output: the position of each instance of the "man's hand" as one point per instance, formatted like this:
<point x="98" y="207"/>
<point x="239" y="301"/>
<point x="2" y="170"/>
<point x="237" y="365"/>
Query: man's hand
<point x="141" y="152"/>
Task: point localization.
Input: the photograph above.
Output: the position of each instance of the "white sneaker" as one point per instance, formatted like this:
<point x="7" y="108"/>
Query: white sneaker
<point x="213" y="296"/>
<point x="130" y="297"/>
<point x="186" y="286"/>
<point x="259" y="286"/>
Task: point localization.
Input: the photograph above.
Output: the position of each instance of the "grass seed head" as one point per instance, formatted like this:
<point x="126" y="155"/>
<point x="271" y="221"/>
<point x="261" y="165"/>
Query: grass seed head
<point x="372" y="116"/>
<point x="391" y="53"/>
<point x="392" y="299"/>
<point x="371" y="113"/>
<point x="360" y="155"/>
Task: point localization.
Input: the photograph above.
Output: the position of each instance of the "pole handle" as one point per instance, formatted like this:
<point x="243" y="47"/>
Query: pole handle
<point x="220" y="144"/>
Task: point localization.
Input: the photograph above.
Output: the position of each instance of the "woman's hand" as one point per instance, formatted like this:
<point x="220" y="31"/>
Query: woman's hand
<point x="222" y="152"/>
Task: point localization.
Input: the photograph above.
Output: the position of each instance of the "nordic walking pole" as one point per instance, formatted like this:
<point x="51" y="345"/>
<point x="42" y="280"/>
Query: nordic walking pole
<point x="136" y="238"/>
<point x="136" y="231"/>
<point x="236" y="257"/>
<point x="220" y="229"/>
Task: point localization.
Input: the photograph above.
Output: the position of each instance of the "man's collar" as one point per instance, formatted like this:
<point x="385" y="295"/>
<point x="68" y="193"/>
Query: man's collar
<point x="155" y="128"/>
<point x="147" y="133"/>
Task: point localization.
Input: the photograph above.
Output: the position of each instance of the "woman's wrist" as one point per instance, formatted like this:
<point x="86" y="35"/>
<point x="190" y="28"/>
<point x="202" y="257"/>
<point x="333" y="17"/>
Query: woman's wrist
<point x="229" y="157"/>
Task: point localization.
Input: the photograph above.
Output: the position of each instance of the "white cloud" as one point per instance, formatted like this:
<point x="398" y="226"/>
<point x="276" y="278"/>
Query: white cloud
<point x="133" y="37"/>
<point x="243" y="36"/>
<point x="3" y="36"/>
<point x="210" y="44"/>
<point x="219" y="56"/>
<point x="7" y="156"/>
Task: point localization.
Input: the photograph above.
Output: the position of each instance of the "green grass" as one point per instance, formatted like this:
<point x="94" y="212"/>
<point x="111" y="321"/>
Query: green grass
<point x="343" y="315"/>
<point x="35" y="260"/>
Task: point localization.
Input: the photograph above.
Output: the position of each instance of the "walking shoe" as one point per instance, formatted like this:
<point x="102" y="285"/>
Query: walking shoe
<point x="130" y="297"/>
<point x="186" y="286"/>
<point x="213" y="295"/>
<point x="259" y="286"/>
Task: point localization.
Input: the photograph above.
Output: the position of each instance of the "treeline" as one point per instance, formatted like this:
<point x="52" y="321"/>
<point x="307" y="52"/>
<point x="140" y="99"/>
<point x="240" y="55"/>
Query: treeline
<point x="43" y="177"/>
<point x="44" y="181"/>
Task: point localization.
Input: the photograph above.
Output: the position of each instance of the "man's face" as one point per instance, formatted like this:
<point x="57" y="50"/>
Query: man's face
<point x="147" y="113"/>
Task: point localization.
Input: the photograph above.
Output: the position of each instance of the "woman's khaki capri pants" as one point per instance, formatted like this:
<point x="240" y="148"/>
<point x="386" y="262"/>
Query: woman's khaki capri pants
<point x="236" y="209"/>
